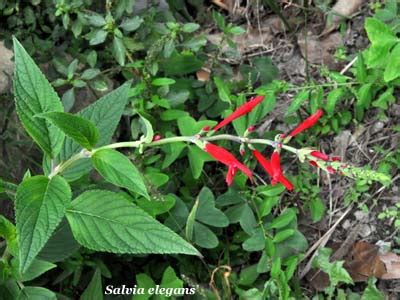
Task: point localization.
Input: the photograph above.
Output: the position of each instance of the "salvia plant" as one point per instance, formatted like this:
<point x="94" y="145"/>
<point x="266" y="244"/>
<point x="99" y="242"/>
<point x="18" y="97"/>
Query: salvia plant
<point x="105" y="220"/>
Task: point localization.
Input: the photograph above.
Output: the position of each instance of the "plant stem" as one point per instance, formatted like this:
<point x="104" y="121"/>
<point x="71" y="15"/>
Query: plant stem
<point x="196" y="139"/>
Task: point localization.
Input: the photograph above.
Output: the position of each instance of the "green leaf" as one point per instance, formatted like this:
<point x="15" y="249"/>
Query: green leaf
<point x="204" y="237"/>
<point x="35" y="95"/>
<point x="190" y="27"/>
<point x="223" y="90"/>
<point x="207" y="213"/>
<point x="144" y="281"/>
<point x="392" y="70"/>
<point x="97" y="37"/>
<point x="197" y="157"/>
<point x="191" y="220"/>
<point x="371" y="292"/>
<point x="283" y="235"/>
<point x="131" y="24"/>
<point x="170" y="281"/>
<point x="172" y="152"/>
<point x="181" y="64"/>
<point x="105" y="114"/>
<point x="40" y="206"/>
<point x="149" y="133"/>
<point x="37" y="268"/>
<point x="333" y="97"/>
<point x="89" y="74"/>
<point x="106" y="221"/>
<point x="82" y="131"/>
<point x="298" y="101"/>
<point x="248" y="276"/>
<point x="60" y="245"/>
<point x="379" y="33"/>
<point x="156" y="207"/>
<point x="94" y="290"/>
<point x="36" y="293"/>
<point x="284" y="219"/>
<point x="163" y="81"/>
<point x="256" y="242"/>
<point x="317" y="209"/>
<point x="118" y="50"/>
<point x="364" y="95"/>
<point x="119" y="170"/>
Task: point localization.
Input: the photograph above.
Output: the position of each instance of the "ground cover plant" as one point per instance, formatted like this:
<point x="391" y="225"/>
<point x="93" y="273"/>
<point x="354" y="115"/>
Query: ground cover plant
<point x="152" y="157"/>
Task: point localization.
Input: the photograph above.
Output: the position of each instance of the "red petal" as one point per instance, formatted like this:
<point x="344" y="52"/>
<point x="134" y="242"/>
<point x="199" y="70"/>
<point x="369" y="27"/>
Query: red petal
<point x="313" y="163"/>
<point x="231" y="173"/>
<point x="265" y="163"/>
<point x="307" y="123"/>
<point x="224" y="156"/>
<point x="288" y="185"/>
<point x="240" y="111"/>
<point x="320" y="155"/>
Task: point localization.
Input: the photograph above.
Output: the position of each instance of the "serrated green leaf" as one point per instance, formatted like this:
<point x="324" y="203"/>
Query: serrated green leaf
<point x="392" y="70"/>
<point x="333" y="97"/>
<point x="117" y="169"/>
<point x="37" y="268"/>
<point x="380" y="33"/>
<point x="35" y="95"/>
<point x="98" y="37"/>
<point x="105" y="114"/>
<point x="298" y="101"/>
<point x="106" y="221"/>
<point x="40" y="206"/>
<point x="94" y="290"/>
<point x="60" y="245"/>
<point x="82" y="131"/>
<point x="36" y="293"/>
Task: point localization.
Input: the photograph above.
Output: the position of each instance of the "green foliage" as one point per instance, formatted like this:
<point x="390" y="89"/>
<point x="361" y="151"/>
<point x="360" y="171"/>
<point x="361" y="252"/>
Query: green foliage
<point x="34" y="95"/>
<point x="119" y="170"/>
<point x="106" y="221"/>
<point x="151" y="195"/>
<point x="40" y="206"/>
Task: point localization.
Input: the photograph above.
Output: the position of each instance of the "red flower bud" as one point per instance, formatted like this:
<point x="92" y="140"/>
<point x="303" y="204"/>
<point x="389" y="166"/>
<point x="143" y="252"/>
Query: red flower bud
<point x="330" y="170"/>
<point x="320" y="155"/>
<point x="336" y="158"/>
<point x="240" y="111"/>
<point x="156" y="138"/>
<point x="206" y="128"/>
<point x="251" y="128"/>
<point x="307" y="123"/>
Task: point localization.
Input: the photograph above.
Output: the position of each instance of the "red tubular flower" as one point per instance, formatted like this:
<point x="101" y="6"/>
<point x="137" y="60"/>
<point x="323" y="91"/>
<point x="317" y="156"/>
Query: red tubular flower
<point x="265" y="163"/>
<point x="277" y="172"/>
<point x="273" y="168"/>
<point x="320" y="155"/>
<point x="307" y="123"/>
<point x="240" y="111"/>
<point x="224" y="156"/>
<point x="156" y="138"/>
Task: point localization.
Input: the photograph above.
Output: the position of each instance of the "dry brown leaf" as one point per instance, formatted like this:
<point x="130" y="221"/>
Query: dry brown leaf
<point x="342" y="8"/>
<point x="392" y="263"/>
<point x="203" y="74"/>
<point x="366" y="261"/>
